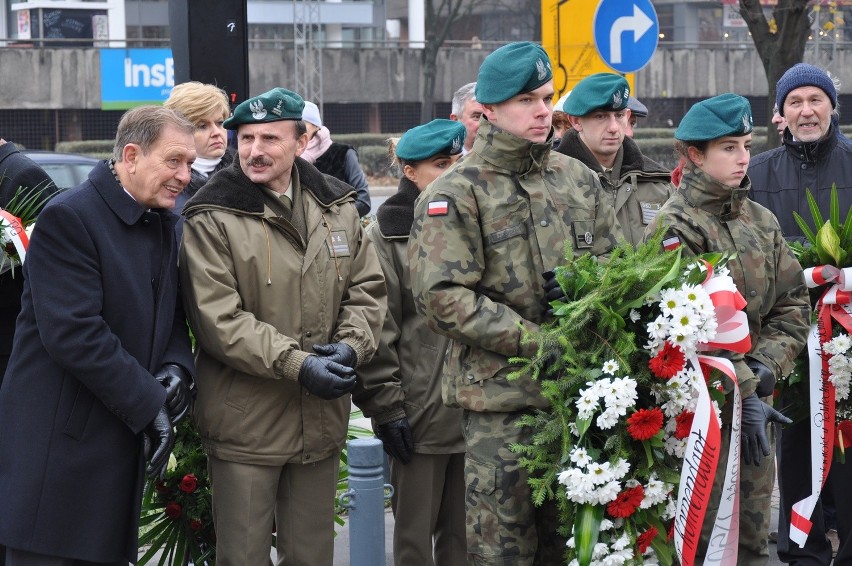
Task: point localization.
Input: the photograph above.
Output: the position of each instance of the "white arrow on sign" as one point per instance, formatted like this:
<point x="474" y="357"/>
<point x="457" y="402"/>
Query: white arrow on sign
<point x="639" y="23"/>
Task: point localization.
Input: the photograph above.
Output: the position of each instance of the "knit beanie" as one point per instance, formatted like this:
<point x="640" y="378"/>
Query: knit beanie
<point x="803" y="74"/>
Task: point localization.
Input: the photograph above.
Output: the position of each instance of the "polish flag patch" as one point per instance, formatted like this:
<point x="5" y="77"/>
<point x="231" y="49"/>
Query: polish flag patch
<point x="437" y="208"/>
<point x="671" y="243"/>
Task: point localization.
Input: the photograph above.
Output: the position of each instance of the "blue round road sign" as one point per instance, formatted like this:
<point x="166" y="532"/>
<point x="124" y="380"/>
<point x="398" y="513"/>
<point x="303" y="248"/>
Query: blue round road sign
<point x="626" y="33"/>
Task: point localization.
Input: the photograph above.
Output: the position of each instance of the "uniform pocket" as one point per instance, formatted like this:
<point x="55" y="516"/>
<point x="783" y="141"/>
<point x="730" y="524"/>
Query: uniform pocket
<point x="480" y="477"/>
<point x="81" y="408"/>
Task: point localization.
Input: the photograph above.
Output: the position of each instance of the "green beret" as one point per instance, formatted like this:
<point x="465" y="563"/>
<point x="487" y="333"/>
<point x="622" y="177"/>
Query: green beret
<point x="601" y="91"/>
<point x="438" y="137"/>
<point x="724" y="115"/>
<point x="512" y="69"/>
<point x="277" y="104"/>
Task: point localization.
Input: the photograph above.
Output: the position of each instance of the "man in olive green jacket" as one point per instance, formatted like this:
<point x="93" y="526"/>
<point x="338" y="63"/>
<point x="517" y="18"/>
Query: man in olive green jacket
<point x="636" y="186"/>
<point x="483" y="235"/>
<point x="286" y="297"/>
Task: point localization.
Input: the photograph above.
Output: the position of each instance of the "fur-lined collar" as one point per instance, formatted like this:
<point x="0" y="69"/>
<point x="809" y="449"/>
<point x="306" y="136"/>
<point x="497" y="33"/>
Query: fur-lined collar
<point x="396" y="215"/>
<point x="231" y="189"/>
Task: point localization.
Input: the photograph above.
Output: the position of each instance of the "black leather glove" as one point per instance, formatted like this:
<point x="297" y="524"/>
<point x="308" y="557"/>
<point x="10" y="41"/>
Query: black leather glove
<point x="178" y="394"/>
<point x="766" y="379"/>
<point x="397" y="439"/>
<point x="326" y="378"/>
<point x="756" y="415"/>
<point x="339" y="352"/>
<point x="552" y="291"/>
<point x="159" y="438"/>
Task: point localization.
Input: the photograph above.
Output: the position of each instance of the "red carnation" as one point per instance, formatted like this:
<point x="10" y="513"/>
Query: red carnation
<point x="684" y="423"/>
<point x="188" y="483"/>
<point x="645" y="423"/>
<point x="668" y="362"/>
<point x="645" y="539"/>
<point x="195" y="525"/>
<point x="173" y="509"/>
<point x="626" y="503"/>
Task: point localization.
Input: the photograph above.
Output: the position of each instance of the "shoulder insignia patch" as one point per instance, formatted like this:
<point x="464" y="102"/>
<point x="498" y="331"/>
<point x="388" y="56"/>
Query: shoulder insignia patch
<point x="671" y="243"/>
<point x="437" y="208"/>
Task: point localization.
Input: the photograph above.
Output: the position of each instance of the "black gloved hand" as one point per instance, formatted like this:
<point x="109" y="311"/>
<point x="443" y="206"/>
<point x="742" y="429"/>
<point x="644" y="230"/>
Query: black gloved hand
<point x="766" y="379"/>
<point x="397" y="439"/>
<point x="756" y="415"/>
<point x="159" y="438"/>
<point x="339" y="352"/>
<point x="178" y="396"/>
<point x="326" y="378"/>
<point x="552" y="291"/>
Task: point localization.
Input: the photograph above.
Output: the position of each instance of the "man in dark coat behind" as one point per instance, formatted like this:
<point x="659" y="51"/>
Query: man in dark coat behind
<point x="101" y="362"/>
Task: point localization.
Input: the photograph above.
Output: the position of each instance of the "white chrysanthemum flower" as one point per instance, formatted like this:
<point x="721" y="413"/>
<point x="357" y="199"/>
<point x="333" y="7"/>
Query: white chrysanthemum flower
<point x="621" y="542"/>
<point x="587" y="404"/>
<point x="675" y="447"/>
<point x="601" y="549"/>
<point x="659" y="328"/>
<point x="670" y="299"/>
<point x="607" y="419"/>
<point x="571" y="544"/>
<point x="606" y="525"/>
<point x="608" y="492"/>
<point x="599" y="473"/>
<point x="580" y="456"/>
<point x="610" y="367"/>
<point x="656" y="492"/>
<point x="840" y="344"/>
<point x="634" y="315"/>
<point x="620" y="469"/>
<point x="671" y="507"/>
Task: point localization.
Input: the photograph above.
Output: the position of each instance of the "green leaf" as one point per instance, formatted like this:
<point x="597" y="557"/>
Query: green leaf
<point x="587" y="525"/>
<point x="806" y="230"/>
<point x="834" y="209"/>
<point x="583" y="425"/>
<point x="815" y="213"/>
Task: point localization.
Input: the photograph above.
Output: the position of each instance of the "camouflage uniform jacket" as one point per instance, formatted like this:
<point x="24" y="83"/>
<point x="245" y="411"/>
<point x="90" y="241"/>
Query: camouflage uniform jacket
<point x="637" y="188"/>
<point x="259" y="295"/>
<point x="404" y="377"/>
<point x="707" y="217"/>
<point x="483" y="234"/>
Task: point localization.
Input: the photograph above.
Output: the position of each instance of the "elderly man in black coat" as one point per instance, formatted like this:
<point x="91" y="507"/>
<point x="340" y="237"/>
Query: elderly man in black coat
<point x="101" y="365"/>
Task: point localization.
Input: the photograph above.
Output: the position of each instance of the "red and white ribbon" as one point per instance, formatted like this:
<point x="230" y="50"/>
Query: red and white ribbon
<point x="833" y="305"/>
<point x="705" y="442"/>
<point x="13" y="230"/>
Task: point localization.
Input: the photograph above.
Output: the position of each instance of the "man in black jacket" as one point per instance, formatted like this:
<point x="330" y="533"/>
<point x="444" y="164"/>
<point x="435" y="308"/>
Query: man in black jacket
<point x="812" y="157"/>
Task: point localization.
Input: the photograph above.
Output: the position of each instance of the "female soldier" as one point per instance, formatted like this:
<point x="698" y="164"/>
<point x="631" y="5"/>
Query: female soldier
<point x="711" y="212"/>
<point x="427" y="456"/>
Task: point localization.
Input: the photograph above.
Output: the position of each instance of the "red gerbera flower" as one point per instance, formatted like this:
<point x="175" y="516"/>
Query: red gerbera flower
<point x="645" y="539"/>
<point x="684" y="423"/>
<point x="668" y="362"/>
<point x="626" y="503"/>
<point x="645" y="423"/>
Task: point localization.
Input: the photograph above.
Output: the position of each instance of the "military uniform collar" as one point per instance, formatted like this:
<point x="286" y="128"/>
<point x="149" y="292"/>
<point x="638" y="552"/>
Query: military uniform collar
<point x="507" y="151"/>
<point x="706" y="193"/>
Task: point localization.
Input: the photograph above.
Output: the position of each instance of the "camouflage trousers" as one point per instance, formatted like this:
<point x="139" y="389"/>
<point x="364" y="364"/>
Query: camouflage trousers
<point x="756" y="485"/>
<point x="502" y="524"/>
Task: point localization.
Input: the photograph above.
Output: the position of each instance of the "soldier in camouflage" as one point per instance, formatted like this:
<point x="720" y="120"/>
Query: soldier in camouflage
<point x="711" y="213"/>
<point x="635" y="185"/>
<point x="483" y="235"/>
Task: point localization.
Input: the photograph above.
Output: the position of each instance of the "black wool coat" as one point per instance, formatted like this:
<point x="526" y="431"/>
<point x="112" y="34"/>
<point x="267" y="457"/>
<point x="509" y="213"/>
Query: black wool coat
<point x="100" y="313"/>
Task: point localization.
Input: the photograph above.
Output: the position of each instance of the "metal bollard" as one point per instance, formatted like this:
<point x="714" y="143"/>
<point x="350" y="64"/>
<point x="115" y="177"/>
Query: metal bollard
<point x="365" y="501"/>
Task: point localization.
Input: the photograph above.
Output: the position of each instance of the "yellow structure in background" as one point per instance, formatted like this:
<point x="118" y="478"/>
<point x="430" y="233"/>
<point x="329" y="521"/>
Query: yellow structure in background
<point x="568" y="37"/>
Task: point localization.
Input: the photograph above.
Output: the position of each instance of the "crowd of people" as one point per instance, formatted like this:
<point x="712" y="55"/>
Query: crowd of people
<point x="258" y="252"/>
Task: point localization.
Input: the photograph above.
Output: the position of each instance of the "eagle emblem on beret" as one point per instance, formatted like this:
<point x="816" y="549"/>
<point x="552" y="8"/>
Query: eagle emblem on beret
<point x="617" y="99"/>
<point x="456" y="145"/>
<point x="746" y="122"/>
<point x="541" y="67"/>
<point x="258" y="112"/>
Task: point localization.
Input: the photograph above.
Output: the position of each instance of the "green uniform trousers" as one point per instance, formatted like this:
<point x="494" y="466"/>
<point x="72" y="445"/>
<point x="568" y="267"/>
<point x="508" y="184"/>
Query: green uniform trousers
<point x="428" y="510"/>
<point x="299" y="497"/>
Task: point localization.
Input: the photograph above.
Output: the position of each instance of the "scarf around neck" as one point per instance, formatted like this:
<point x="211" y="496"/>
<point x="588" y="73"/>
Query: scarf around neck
<point x="318" y="145"/>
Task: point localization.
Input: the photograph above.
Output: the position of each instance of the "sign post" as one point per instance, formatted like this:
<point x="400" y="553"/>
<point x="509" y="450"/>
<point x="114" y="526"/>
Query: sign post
<point x="567" y="31"/>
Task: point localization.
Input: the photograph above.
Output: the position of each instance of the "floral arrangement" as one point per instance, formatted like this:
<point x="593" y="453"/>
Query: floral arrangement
<point x="17" y="220"/>
<point x="826" y="256"/>
<point x="617" y="363"/>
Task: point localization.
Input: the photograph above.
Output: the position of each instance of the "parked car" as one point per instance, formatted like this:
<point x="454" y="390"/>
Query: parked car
<point x="66" y="169"/>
